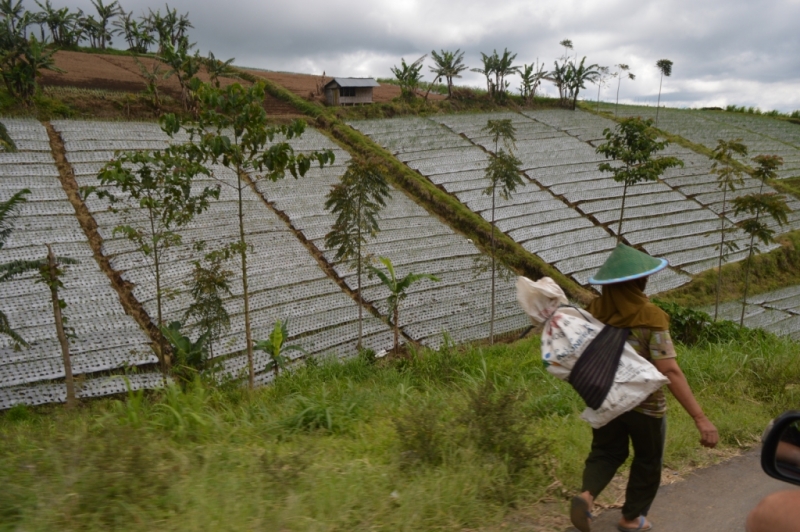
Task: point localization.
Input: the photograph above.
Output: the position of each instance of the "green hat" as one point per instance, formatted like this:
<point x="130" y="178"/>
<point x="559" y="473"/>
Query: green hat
<point x="626" y="263"/>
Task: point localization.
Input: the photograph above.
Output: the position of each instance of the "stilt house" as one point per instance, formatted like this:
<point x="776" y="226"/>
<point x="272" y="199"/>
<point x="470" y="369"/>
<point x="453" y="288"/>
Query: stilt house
<point x="350" y="91"/>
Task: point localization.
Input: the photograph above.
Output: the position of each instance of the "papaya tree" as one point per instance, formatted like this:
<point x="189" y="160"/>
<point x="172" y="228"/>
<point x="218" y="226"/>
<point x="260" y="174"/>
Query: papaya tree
<point x="356" y="200"/>
<point x="50" y="273"/>
<point x="633" y="145"/>
<point x="397" y="291"/>
<point x="232" y="129"/>
<point x="622" y="67"/>
<point x="757" y="204"/>
<point x="665" y="67"/>
<point x="729" y="176"/>
<point x="503" y="173"/>
<point x="152" y="191"/>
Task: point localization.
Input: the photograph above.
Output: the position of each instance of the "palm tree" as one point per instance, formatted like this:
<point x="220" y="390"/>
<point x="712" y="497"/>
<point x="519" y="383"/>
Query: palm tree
<point x="622" y="67"/>
<point x="665" y="66"/>
<point x="449" y="65"/>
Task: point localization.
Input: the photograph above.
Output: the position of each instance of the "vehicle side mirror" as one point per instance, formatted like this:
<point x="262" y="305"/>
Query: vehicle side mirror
<point x="780" y="456"/>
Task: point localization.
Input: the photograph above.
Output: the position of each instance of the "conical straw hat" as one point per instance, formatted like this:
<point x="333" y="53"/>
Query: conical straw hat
<point x="625" y="264"/>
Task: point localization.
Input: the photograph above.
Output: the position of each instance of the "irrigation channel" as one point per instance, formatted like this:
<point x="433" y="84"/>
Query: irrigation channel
<point x="565" y="213"/>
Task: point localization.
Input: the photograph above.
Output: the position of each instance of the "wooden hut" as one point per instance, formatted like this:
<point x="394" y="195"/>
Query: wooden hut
<point x="350" y="91"/>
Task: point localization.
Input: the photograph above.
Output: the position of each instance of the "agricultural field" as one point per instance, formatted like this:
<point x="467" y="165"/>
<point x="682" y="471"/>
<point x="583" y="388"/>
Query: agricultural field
<point x="777" y="311"/>
<point x="761" y="134"/>
<point x="106" y="338"/>
<point x="284" y="278"/>
<point x="458" y="304"/>
<point x="567" y="210"/>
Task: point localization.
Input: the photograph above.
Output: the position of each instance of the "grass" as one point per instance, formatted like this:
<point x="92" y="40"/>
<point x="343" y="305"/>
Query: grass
<point x="409" y="444"/>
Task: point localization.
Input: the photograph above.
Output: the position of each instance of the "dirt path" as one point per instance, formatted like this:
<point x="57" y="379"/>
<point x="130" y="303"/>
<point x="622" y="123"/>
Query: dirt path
<point x="715" y="499"/>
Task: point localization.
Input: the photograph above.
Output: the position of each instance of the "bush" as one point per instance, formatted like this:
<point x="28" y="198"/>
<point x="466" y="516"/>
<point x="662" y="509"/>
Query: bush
<point x="692" y="327"/>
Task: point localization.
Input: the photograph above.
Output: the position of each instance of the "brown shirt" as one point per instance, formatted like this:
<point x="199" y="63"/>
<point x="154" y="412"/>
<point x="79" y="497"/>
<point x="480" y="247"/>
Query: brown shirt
<point x="652" y="345"/>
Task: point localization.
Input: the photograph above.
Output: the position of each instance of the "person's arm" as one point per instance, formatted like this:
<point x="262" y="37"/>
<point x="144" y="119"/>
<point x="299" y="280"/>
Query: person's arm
<point x="680" y="389"/>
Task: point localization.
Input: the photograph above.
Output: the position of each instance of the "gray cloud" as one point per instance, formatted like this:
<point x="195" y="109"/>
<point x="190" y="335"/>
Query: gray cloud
<point x="736" y="51"/>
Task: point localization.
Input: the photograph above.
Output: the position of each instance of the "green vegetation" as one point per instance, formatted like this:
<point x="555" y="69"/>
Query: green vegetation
<point x="634" y="144"/>
<point x="768" y="271"/>
<point x="397" y="291"/>
<point x="356" y="200"/>
<point x="409" y="444"/>
<point x="503" y="172"/>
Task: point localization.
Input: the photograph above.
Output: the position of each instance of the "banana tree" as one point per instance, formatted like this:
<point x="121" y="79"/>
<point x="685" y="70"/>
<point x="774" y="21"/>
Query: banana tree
<point x="275" y="346"/>
<point x="397" y="291"/>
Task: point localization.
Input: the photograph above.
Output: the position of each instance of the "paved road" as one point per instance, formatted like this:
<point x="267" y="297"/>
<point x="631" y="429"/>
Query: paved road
<point x="715" y="499"/>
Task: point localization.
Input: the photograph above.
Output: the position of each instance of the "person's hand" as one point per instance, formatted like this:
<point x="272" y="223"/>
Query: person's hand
<point x="708" y="432"/>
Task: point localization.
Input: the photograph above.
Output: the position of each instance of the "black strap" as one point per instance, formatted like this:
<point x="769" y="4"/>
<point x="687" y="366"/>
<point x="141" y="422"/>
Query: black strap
<point x="593" y="374"/>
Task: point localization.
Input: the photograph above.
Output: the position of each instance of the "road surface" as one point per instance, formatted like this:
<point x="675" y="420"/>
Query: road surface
<point x="715" y="499"/>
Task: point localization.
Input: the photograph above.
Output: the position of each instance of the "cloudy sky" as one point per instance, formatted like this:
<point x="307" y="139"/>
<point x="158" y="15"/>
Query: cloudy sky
<point x="742" y="52"/>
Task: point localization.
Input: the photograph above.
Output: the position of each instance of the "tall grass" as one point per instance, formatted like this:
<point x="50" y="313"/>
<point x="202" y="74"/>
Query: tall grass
<point x="437" y="441"/>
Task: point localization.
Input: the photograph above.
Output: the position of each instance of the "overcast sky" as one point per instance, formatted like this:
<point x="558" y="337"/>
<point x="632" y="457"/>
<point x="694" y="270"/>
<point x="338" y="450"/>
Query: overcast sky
<point x="743" y="52"/>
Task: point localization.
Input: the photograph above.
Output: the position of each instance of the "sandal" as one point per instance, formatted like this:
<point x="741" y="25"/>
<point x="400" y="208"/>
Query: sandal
<point x="640" y="528"/>
<point x="580" y="515"/>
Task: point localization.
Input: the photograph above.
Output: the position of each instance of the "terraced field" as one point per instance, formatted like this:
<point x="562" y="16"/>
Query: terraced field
<point x="777" y="311"/>
<point x="761" y="134"/>
<point x="105" y="337"/>
<point x="284" y="278"/>
<point x="565" y="212"/>
<point x="567" y="209"/>
<point x="458" y="304"/>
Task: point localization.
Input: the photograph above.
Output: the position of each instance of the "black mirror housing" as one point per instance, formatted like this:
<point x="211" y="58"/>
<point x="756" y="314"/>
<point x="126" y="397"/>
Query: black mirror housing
<point x="780" y="455"/>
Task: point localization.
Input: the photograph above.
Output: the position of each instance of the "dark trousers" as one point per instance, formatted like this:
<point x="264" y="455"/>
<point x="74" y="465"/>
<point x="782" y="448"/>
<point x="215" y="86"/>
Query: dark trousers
<point x="610" y="450"/>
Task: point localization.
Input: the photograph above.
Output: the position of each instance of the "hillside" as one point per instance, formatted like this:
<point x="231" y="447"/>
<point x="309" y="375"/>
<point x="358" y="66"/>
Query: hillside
<point x="560" y="223"/>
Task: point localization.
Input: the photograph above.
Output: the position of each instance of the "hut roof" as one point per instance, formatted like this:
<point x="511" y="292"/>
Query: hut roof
<point x="353" y="82"/>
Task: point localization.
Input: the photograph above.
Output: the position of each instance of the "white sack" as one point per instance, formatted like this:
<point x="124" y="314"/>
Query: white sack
<point x="566" y="335"/>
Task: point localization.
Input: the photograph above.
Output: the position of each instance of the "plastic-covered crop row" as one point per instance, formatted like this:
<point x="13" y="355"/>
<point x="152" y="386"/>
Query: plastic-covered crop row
<point x="106" y="338"/>
<point x="285" y="281"/>
<point x="37" y="394"/>
<point x="415" y="242"/>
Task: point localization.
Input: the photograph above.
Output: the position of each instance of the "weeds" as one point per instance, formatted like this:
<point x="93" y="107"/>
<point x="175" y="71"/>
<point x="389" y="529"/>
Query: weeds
<point x="441" y="440"/>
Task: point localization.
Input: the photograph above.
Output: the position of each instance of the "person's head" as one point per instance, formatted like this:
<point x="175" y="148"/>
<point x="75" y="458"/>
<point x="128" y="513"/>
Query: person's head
<point x="627" y="265"/>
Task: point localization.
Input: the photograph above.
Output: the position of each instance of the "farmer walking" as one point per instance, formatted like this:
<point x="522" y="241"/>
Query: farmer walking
<point x="623" y="304"/>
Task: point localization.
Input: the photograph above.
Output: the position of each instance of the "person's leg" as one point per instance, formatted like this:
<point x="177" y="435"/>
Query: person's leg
<point x="609" y="452"/>
<point x="646" y="434"/>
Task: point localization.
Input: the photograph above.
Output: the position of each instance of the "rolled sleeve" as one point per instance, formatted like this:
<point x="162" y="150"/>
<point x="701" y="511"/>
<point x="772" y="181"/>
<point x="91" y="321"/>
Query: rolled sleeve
<point x="661" y="346"/>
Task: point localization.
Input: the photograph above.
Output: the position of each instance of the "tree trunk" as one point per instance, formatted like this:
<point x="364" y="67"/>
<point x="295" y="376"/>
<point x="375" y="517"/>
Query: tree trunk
<point x="360" y="301"/>
<point x="397" y="327"/>
<point x="251" y="380"/>
<point x="622" y="213"/>
<point x="747" y="266"/>
<point x="598" y="99"/>
<point x="162" y="347"/>
<point x="491" y="318"/>
<point x="62" y="336"/>
<point x="746" y="281"/>
<point x="721" y="247"/>
<point x="616" y="105"/>
<point x="658" y="104"/>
